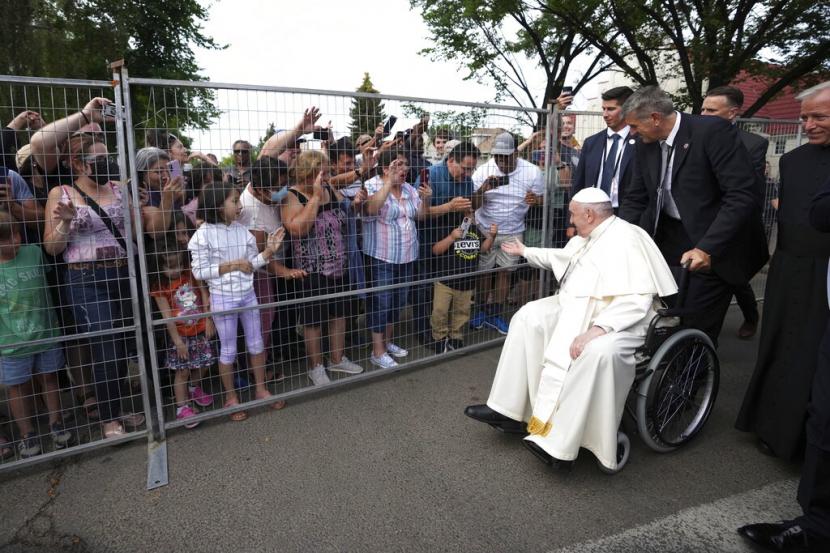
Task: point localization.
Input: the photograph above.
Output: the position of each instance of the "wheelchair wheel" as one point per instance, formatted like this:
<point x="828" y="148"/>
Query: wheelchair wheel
<point x="674" y="401"/>
<point x="623" y="452"/>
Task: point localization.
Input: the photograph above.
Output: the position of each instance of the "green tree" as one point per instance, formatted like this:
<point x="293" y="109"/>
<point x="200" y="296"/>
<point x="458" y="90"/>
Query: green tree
<point x="78" y="39"/>
<point x="478" y="35"/>
<point x="705" y="44"/>
<point x="366" y="112"/>
<point x="459" y="123"/>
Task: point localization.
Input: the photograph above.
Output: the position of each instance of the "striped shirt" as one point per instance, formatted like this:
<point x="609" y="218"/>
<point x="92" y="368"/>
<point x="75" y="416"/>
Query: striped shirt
<point x="391" y="235"/>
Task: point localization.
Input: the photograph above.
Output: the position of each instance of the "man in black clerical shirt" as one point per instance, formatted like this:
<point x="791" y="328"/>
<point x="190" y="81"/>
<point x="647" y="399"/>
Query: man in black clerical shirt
<point x="795" y="299"/>
<point x="810" y="532"/>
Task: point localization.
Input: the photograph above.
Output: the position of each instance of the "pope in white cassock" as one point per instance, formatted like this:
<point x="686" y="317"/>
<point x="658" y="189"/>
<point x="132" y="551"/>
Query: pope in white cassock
<point x="568" y="360"/>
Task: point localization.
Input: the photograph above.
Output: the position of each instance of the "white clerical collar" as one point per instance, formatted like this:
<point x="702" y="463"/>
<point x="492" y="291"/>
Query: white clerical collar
<point x="601" y="227"/>
<point x="623" y="132"/>
<point x="673" y="133"/>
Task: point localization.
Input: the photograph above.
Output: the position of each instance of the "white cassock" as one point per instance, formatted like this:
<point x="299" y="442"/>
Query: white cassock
<point x="612" y="279"/>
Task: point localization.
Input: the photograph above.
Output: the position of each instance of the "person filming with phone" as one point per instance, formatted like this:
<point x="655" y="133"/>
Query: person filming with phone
<point x="500" y="198"/>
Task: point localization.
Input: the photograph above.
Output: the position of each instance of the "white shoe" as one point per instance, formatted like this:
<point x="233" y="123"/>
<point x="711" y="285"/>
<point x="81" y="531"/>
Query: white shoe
<point x="345" y="366"/>
<point x="396" y="351"/>
<point x="384" y="361"/>
<point x="318" y="375"/>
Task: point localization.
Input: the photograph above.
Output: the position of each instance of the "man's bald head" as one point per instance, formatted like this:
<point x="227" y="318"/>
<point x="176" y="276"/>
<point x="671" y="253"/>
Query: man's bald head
<point x="585" y="217"/>
<point x="815" y="114"/>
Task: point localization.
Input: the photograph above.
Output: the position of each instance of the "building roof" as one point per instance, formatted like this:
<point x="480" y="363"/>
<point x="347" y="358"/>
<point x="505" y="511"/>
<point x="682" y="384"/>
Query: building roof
<point x="782" y="106"/>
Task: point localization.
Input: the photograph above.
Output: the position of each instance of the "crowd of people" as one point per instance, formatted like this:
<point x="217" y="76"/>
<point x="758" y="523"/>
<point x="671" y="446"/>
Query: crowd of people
<point x="297" y="242"/>
<point x="338" y="229"/>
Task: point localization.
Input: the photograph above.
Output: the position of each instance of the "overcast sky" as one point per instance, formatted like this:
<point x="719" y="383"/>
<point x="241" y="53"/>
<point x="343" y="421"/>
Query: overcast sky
<point x="322" y="44"/>
<point x="328" y="44"/>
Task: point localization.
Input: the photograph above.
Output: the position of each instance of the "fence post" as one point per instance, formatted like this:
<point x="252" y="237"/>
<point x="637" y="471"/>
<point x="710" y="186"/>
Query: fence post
<point x="551" y="184"/>
<point x="157" y="445"/>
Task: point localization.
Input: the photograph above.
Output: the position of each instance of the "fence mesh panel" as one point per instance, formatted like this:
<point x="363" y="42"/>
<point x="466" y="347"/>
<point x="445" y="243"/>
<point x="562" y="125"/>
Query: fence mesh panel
<point x="282" y="241"/>
<point x="70" y="366"/>
<point x="374" y="270"/>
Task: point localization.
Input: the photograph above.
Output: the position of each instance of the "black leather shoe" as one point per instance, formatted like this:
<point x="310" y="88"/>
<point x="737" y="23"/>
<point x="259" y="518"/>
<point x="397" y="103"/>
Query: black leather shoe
<point x="747" y="330"/>
<point x="549" y="460"/>
<point x="765" y="448"/>
<point x="484" y="414"/>
<point x="787" y="536"/>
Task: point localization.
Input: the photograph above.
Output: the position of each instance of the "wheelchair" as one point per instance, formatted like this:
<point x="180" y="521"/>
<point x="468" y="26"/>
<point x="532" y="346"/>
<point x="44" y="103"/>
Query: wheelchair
<point x="675" y="384"/>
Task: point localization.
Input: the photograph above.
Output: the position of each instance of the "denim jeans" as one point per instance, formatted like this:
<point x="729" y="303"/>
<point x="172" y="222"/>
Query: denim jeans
<point x="420" y="296"/>
<point x="385" y="306"/>
<point x="100" y="300"/>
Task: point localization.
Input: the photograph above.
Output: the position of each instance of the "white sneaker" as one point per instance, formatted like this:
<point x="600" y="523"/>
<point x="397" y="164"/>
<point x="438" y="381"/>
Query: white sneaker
<point x="346" y="366"/>
<point x="396" y="351"/>
<point x="318" y="375"/>
<point x="384" y="361"/>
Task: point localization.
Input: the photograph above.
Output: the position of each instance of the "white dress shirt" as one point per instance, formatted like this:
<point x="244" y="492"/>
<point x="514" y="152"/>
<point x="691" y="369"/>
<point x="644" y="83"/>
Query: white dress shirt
<point x="669" y="207"/>
<point x="615" y="180"/>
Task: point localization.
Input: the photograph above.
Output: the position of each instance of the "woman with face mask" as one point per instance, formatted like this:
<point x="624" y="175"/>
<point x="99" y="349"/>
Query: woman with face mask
<point x="85" y="223"/>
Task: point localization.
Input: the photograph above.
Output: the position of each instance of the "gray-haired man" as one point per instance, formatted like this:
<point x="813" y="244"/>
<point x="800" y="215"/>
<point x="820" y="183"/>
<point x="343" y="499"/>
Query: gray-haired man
<point x="694" y="190"/>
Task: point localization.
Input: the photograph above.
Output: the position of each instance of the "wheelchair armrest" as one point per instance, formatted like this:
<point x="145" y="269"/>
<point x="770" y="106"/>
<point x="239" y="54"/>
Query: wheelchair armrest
<point x="674" y="312"/>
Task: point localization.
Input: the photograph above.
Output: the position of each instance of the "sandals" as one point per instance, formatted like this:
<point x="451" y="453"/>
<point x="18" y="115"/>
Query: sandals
<point x="239" y="416"/>
<point x="276" y="406"/>
<point x="113" y="429"/>
<point x="133" y="420"/>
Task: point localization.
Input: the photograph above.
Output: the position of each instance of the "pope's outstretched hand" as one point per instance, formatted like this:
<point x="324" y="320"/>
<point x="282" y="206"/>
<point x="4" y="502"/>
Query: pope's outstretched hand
<point x="513" y="247"/>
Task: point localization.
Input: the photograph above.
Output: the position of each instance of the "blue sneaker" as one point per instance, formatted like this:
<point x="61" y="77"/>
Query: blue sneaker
<point x="496" y="323"/>
<point x="477" y="320"/>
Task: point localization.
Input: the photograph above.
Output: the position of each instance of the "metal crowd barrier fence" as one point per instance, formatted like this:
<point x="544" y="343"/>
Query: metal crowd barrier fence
<point x="72" y="363"/>
<point x="359" y="287"/>
<point x="319" y="327"/>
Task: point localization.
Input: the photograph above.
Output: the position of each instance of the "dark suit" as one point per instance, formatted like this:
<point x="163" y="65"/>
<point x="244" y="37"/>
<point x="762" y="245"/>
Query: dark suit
<point x="814" y="487"/>
<point x="757" y="147"/>
<point x="715" y="189"/>
<point x="591" y="160"/>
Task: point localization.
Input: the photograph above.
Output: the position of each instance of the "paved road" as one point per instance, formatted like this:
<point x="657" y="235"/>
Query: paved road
<point x="393" y="465"/>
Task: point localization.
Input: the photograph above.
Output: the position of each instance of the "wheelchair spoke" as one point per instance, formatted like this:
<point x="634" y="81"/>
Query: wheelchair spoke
<point x="678" y="397"/>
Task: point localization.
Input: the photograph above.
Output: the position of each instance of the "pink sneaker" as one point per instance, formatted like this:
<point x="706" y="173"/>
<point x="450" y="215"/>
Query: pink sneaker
<point x="185" y="413"/>
<point x="200" y="397"/>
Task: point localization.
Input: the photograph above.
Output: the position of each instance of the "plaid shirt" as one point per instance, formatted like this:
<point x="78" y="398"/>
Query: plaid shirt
<point x="391" y="235"/>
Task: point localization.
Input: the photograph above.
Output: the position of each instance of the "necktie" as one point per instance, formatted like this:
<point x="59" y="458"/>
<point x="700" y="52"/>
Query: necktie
<point x="664" y="162"/>
<point x="610" y="165"/>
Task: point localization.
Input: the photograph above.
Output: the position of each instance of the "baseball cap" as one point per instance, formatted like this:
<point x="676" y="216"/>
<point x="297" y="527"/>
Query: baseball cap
<point x="362" y="139"/>
<point x="23" y="155"/>
<point x="503" y="145"/>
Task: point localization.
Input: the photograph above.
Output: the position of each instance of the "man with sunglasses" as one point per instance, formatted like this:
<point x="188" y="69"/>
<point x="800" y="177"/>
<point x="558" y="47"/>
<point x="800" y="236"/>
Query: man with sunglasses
<point x="240" y="171"/>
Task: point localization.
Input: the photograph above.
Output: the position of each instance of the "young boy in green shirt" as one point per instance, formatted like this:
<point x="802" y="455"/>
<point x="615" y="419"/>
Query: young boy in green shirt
<point x="26" y="315"/>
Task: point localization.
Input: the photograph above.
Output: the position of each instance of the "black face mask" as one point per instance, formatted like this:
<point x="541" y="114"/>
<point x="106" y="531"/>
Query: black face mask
<point x="104" y="170"/>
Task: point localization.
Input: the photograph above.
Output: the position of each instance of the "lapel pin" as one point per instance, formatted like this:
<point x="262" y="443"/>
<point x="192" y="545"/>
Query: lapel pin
<point x="631" y="141"/>
<point x="686" y="146"/>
